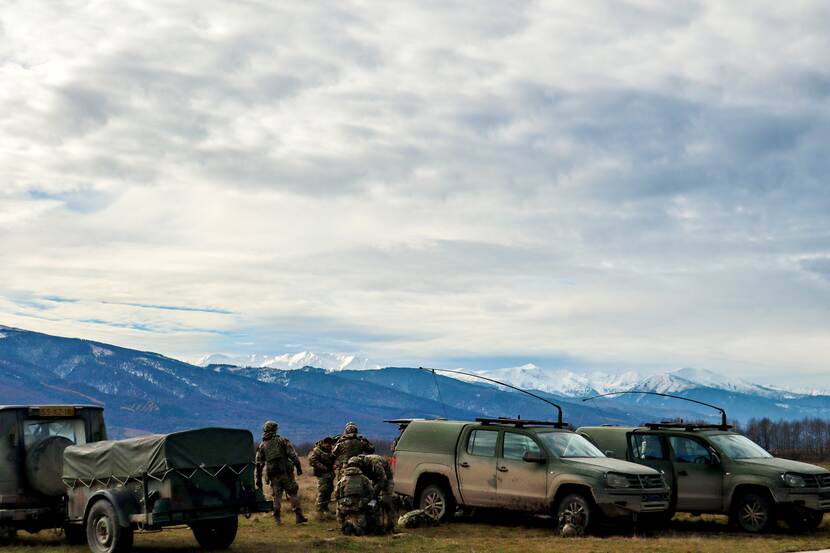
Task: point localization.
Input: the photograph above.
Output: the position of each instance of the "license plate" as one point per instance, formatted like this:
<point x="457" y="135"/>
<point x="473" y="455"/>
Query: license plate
<point x="54" y="411"/>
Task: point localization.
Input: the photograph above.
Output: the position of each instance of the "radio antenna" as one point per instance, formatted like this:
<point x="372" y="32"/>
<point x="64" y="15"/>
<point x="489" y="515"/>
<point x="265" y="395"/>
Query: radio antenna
<point x="559" y="421"/>
<point x="722" y="411"/>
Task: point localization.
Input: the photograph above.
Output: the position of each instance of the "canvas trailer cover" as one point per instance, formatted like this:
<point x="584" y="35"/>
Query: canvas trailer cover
<point x="211" y="450"/>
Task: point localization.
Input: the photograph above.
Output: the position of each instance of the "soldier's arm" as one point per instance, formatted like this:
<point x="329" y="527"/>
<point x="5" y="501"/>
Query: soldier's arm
<point x="260" y="462"/>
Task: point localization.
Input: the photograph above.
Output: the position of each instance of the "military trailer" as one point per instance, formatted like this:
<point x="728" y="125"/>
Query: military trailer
<point x="712" y="469"/>
<point x="203" y="478"/>
<point x="521" y="465"/>
<point x="32" y="441"/>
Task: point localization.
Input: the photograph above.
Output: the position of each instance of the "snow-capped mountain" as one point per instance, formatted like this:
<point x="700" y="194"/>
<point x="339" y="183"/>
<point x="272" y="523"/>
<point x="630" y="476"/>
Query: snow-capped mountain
<point x="561" y="382"/>
<point x="289" y="361"/>
<point x="680" y="380"/>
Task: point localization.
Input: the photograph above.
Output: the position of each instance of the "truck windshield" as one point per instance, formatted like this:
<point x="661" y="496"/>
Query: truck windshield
<point x="566" y="444"/>
<point x="736" y="446"/>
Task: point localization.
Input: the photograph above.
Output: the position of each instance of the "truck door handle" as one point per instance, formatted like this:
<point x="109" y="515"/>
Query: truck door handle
<point x="502" y="469"/>
<point x="682" y="473"/>
<point x="465" y="464"/>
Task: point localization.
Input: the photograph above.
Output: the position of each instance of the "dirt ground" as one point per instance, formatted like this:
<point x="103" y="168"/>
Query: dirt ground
<point x="484" y="533"/>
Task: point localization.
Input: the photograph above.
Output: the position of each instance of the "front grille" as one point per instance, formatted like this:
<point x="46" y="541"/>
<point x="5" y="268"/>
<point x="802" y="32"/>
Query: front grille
<point x="644" y="481"/>
<point x="824" y="480"/>
<point x="810" y="481"/>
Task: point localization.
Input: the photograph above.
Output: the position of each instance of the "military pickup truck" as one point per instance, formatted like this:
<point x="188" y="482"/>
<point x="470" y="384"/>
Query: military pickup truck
<point x="712" y="469"/>
<point x="520" y="465"/>
<point x="57" y="470"/>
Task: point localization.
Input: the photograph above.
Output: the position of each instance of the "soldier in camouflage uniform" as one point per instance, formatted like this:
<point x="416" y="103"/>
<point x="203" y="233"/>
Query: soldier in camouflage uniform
<point x="277" y="457"/>
<point x="350" y="444"/>
<point x="416" y="519"/>
<point x="353" y="494"/>
<point x="376" y="468"/>
<point x="322" y="461"/>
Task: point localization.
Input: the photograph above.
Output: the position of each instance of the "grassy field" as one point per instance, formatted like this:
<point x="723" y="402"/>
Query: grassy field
<point x="468" y="534"/>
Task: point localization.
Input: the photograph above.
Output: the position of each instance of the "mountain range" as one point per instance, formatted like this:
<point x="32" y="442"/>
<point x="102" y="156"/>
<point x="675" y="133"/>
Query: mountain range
<point x="148" y="392"/>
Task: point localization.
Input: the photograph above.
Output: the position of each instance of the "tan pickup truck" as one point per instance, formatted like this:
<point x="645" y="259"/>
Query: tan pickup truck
<point x="520" y="465"/>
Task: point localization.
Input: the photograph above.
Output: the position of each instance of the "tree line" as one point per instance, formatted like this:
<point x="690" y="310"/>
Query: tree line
<point x="805" y="439"/>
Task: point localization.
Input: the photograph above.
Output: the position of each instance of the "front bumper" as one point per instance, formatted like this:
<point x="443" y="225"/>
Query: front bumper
<point x="815" y="499"/>
<point x="622" y="502"/>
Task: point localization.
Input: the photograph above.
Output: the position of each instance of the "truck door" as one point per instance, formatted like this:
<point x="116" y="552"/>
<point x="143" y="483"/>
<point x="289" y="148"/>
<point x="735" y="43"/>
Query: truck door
<point x="698" y="475"/>
<point x="520" y="485"/>
<point x="477" y="467"/>
<point x="651" y="450"/>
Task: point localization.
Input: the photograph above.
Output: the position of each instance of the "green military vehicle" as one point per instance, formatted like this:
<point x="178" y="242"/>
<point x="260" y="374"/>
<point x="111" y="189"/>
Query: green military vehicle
<point x="59" y="471"/>
<point x="520" y="465"/>
<point x="712" y="469"/>
<point x="32" y="441"/>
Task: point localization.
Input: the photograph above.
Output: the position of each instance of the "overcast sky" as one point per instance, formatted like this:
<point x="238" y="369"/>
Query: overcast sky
<point x="613" y="185"/>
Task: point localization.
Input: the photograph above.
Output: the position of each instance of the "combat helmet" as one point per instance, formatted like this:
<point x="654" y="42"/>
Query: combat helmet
<point x="354" y="462"/>
<point x="270" y="426"/>
<point x="351" y="429"/>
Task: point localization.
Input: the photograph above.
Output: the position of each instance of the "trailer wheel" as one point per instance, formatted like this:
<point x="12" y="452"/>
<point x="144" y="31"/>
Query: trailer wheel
<point x="215" y="534"/>
<point x="103" y="533"/>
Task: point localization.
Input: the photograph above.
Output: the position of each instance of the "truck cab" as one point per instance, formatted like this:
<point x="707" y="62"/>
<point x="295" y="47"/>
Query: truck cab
<point x="519" y="465"/>
<point x="712" y="469"/>
<point x="32" y="440"/>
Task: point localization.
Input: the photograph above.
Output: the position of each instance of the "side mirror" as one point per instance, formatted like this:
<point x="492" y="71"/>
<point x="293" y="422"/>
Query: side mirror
<point x="609" y="452"/>
<point x="715" y="457"/>
<point x="533" y="457"/>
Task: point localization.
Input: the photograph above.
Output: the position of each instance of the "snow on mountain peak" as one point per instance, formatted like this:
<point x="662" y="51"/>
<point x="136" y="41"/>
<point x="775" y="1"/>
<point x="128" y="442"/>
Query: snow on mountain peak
<point x="289" y="361"/>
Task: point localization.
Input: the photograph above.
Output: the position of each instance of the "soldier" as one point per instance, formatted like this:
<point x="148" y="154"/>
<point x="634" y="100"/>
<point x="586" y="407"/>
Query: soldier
<point x="322" y="461"/>
<point x="353" y="494"/>
<point x="401" y="427"/>
<point x="377" y="469"/>
<point x="350" y="444"/>
<point x="416" y="519"/>
<point x="277" y="456"/>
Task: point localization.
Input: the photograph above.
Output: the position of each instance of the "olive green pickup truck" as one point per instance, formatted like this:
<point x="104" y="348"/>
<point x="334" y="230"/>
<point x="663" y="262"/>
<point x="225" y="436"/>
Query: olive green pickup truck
<point x="712" y="469"/>
<point x="520" y="465"/>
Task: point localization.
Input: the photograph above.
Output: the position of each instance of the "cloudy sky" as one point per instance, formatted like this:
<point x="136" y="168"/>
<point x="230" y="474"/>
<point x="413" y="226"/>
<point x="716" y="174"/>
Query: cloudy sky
<point x="616" y="185"/>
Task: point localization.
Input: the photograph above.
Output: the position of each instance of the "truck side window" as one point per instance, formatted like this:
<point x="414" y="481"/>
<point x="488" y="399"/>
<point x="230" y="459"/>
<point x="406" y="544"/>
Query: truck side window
<point x="516" y="445"/>
<point x="687" y="450"/>
<point x="647" y="447"/>
<point x="483" y="443"/>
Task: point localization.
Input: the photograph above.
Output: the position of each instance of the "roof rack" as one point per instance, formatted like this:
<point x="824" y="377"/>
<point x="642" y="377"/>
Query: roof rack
<point x="688" y="427"/>
<point x="520" y="423"/>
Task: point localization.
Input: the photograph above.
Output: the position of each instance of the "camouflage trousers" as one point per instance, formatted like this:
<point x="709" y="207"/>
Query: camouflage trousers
<point x="285" y="483"/>
<point x="325" y="487"/>
<point x="352" y="522"/>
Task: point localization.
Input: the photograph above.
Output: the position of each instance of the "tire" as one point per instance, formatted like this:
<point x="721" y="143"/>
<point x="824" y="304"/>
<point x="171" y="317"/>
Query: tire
<point x="577" y="509"/>
<point x="753" y="513"/>
<point x="103" y="532"/>
<point x="437" y="502"/>
<point x="75" y="534"/>
<point x="215" y="534"/>
<point x="8" y="535"/>
<point x="803" y="520"/>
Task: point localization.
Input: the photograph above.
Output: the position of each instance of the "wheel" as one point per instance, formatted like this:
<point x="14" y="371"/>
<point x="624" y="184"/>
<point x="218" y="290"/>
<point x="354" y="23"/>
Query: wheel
<point x="803" y="520"/>
<point x="437" y="502"/>
<point x="75" y="534"/>
<point x="8" y="535"/>
<point x="753" y="513"/>
<point x="576" y="509"/>
<point x="215" y="534"/>
<point x="103" y="533"/>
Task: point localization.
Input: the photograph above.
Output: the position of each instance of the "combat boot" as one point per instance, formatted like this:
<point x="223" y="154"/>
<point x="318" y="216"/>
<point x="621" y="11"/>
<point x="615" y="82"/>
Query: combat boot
<point x="277" y="518"/>
<point x="299" y="518"/>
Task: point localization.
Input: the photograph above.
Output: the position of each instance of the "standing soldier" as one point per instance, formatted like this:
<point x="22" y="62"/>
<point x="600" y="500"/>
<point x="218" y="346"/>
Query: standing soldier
<point x="277" y="456"/>
<point x="350" y="444"/>
<point x="353" y="494"/>
<point x="322" y="461"/>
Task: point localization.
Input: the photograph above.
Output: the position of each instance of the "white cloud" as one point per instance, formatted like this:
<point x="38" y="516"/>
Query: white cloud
<point x="624" y="185"/>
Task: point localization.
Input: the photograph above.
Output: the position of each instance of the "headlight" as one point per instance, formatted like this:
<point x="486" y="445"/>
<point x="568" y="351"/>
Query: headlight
<point x="793" y="480"/>
<point x="615" y="480"/>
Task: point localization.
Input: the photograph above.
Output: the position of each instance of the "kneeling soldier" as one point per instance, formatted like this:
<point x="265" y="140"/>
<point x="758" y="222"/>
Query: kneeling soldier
<point x="353" y="494"/>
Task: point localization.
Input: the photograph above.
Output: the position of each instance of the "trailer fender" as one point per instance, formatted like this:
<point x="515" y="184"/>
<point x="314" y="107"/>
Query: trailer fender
<point x="123" y="501"/>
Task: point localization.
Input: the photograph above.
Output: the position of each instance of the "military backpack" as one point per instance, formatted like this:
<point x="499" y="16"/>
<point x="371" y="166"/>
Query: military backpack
<point x="276" y="456"/>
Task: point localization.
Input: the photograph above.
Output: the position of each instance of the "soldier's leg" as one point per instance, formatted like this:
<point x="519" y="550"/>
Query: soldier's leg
<point x="325" y="487"/>
<point x="292" y="489"/>
<point x="276" y="489"/>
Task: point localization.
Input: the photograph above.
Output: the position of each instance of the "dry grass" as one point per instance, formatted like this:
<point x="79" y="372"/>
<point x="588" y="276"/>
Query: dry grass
<point x="478" y="534"/>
